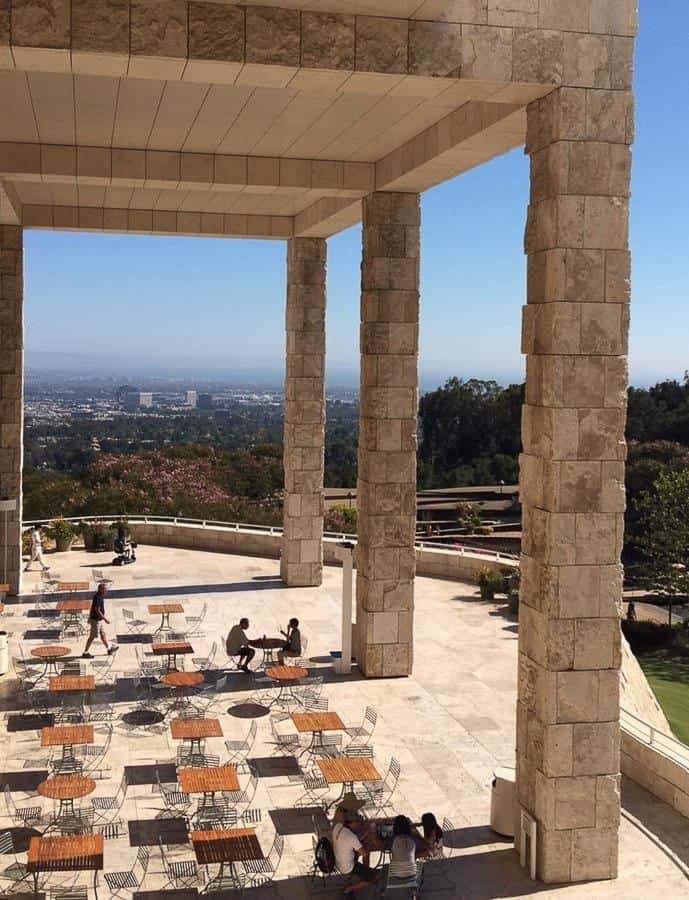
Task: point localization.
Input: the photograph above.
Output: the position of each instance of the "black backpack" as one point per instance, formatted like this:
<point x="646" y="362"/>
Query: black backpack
<point x="325" y="856"/>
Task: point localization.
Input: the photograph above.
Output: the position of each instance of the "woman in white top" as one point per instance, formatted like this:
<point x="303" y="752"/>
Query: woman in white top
<point x="403" y="853"/>
<point x="433" y="836"/>
<point x="36" y="550"/>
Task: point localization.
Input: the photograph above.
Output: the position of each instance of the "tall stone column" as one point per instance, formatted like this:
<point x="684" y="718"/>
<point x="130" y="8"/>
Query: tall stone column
<point x="302" y="548"/>
<point x="386" y="487"/>
<point x="572" y="478"/>
<point x="11" y="397"/>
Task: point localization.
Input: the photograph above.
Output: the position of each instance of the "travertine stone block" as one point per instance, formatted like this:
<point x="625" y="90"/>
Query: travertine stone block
<point x="4" y="22"/>
<point x="538" y="55"/>
<point x="100" y="26"/>
<point x="216" y="32"/>
<point x="327" y="40"/>
<point x="11" y="393"/>
<point x="387" y="431"/>
<point x="487" y="53"/>
<point x="302" y="550"/>
<point x="41" y="23"/>
<point x="565" y="15"/>
<point x="381" y="44"/>
<point x="272" y="36"/>
<point x="435" y="49"/>
<point x="159" y="28"/>
<point x="572" y="470"/>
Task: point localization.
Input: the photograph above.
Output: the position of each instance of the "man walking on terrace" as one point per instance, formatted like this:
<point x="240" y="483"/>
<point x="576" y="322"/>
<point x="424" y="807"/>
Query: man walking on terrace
<point x="97" y="623"/>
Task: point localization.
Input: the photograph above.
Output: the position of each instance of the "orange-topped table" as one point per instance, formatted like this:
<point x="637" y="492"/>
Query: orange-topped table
<point x="66" y="789"/>
<point x="71" y="611"/>
<point x="195" y="731"/>
<point x="67" y="737"/>
<point x="72" y="605"/>
<point x="347" y="771"/>
<point x="231" y="845"/>
<point x="164" y="610"/>
<point x="208" y="779"/>
<point x="69" y="853"/>
<point x="50" y="654"/>
<point x="183" y="683"/>
<point x="171" y="649"/>
<point x="64" y="683"/>
<point x="71" y="587"/>
<point x="316" y="723"/>
<point x="287" y="677"/>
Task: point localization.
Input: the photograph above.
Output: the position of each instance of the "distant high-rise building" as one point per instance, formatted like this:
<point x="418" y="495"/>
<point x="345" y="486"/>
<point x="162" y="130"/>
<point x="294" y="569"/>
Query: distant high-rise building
<point x="134" y="400"/>
<point x="205" y="401"/>
<point x="191" y="398"/>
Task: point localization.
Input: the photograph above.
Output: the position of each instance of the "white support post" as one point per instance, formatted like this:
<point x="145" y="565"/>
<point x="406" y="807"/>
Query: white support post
<point x="345" y="552"/>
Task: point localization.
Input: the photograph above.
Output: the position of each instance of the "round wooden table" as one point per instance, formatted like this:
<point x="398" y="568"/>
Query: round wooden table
<point x="66" y="789"/>
<point x="287" y="677"/>
<point x="183" y="683"/>
<point x="269" y="646"/>
<point x="50" y="654"/>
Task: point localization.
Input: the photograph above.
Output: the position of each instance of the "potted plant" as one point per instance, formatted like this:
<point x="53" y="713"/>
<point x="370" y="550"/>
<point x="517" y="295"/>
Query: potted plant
<point x="63" y="533"/>
<point x="490" y="583"/>
<point x="89" y="536"/>
<point x="99" y="535"/>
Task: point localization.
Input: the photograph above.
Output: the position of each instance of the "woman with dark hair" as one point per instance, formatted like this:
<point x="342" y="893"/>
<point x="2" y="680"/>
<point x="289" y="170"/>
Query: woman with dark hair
<point x="292" y="645"/>
<point x="403" y="853"/>
<point x="432" y="835"/>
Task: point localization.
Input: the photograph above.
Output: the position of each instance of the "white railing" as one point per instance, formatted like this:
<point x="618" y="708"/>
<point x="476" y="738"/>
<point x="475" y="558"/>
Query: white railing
<point x="461" y="549"/>
<point x="654" y="738"/>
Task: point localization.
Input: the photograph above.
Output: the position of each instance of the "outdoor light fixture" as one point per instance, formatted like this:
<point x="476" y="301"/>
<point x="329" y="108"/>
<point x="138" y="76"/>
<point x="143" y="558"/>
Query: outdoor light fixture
<point x="6" y="507"/>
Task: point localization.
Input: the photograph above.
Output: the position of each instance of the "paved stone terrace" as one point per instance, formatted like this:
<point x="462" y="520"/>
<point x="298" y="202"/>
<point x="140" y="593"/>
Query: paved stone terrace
<point x="449" y="725"/>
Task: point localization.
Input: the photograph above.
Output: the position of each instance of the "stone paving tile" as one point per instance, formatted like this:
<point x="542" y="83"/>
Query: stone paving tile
<point x="449" y="725"/>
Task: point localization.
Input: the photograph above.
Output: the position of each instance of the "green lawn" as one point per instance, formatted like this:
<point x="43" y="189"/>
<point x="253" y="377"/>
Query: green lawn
<point x="668" y="675"/>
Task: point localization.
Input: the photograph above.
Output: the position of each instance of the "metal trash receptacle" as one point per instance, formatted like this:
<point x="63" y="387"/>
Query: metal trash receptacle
<point x="503" y="800"/>
<point x="4" y="653"/>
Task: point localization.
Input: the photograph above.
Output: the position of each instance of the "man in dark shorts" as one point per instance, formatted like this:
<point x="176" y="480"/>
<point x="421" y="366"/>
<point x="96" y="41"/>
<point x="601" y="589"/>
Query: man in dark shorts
<point x="347" y="848"/>
<point x="97" y="623"/>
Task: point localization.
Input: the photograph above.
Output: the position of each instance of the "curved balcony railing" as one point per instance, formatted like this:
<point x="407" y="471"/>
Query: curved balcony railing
<point x="654" y="738"/>
<point x="276" y="530"/>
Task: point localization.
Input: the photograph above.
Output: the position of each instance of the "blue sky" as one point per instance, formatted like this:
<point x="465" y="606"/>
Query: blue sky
<point x="194" y="305"/>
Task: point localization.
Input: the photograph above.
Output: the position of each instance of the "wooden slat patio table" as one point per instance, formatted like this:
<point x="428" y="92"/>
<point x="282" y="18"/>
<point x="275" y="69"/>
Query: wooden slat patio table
<point x="171" y="649"/>
<point x="62" y="683"/>
<point x="67" y="737"/>
<point x="231" y="845"/>
<point x="69" y="853"/>
<point x="195" y="731"/>
<point x="164" y="610"/>
<point x="183" y="684"/>
<point x="73" y="605"/>
<point x="347" y="771"/>
<point x="66" y="789"/>
<point x="71" y="587"/>
<point x="208" y="779"/>
<point x="287" y="677"/>
<point x="316" y="723"/>
<point x="50" y="654"/>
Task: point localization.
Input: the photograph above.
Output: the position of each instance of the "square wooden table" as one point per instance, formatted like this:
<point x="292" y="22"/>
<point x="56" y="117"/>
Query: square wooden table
<point x="70" y="853"/>
<point x="316" y="723"/>
<point x="347" y="771"/>
<point x="171" y="649"/>
<point x="71" y="587"/>
<point x="67" y="737"/>
<point x="163" y="610"/>
<point x="65" y="683"/>
<point x="208" y="779"/>
<point x="195" y="731"/>
<point x="71" y="611"/>
<point x="231" y="845"/>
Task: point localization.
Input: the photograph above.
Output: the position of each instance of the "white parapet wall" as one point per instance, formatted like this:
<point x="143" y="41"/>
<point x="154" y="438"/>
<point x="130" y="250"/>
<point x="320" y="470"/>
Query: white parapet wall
<point x="455" y="563"/>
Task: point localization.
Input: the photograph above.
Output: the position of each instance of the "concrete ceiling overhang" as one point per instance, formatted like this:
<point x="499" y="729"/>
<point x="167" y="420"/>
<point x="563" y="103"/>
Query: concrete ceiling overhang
<point x="272" y="119"/>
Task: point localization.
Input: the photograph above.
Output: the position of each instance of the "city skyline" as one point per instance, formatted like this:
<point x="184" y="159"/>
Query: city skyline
<point x="123" y="302"/>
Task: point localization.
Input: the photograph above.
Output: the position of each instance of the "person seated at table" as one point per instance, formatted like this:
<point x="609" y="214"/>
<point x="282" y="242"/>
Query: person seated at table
<point x="403" y="851"/>
<point x="432" y="835"/>
<point x="237" y="644"/>
<point x="347" y="849"/>
<point x="292" y="646"/>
